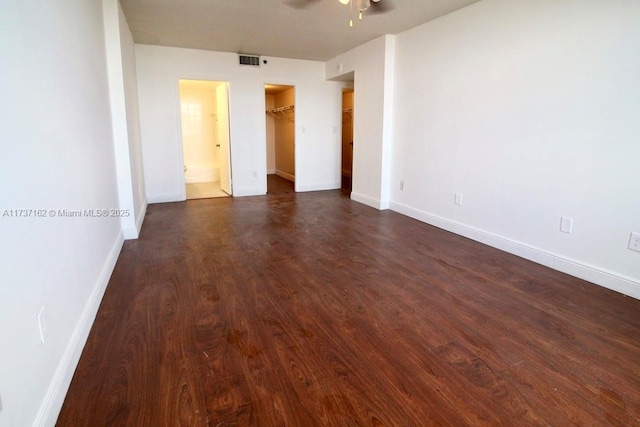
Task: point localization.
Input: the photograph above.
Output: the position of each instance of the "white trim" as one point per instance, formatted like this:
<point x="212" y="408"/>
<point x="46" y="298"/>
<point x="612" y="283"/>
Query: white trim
<point x="271" y="171"/>
<point x="167" y="198"/>
<point x="246" y="192"/>
<point x="54" y="398"/>
<point x="141" y="215"/>
<point x="597" y="275"/>
<point x="286" y="175"/>
<point x="132" y="232"/>
<point x="319" y="187"/>
<point x="366" y="200"/>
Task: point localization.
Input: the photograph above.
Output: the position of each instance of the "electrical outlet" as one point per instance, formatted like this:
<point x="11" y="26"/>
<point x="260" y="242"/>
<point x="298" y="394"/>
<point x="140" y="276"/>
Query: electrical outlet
<point x="42" y="326"/>
<point x="634" y="242"/>
<point x="458" y="199"/>
<point x="401" y="185"/>
<point x="566" y="224"/>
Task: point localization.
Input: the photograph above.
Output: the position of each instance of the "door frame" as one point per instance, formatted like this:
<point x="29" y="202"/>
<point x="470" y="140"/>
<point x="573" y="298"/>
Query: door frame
<point x="228" y="159"/>
<point x="179" y="143"/>
<point x="277" y="82"/>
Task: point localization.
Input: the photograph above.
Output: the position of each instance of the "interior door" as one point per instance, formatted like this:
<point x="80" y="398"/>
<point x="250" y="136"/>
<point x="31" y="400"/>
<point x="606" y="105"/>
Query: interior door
<point x="222" y="95"/>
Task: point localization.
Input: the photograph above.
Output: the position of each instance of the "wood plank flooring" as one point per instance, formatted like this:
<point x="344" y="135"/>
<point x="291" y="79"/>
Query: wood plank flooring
<point x="278" y="185"/>
<point x="309" y="309"/>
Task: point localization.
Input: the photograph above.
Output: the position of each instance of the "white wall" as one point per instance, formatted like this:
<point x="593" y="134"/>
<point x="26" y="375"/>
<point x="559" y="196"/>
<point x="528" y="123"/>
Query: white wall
<point x="317" y="118"/>
<point x="531" y="111"/>
<point x="372" y="64"/>
<point x="125" y="118"/>
<point x="57" y="153"/>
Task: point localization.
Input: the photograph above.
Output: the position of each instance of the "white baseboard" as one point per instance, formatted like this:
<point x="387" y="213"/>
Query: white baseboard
<point x="130" y="232"/>
<point x="54" y="398"/>
<point x="319" y="187"/>
<point x="597" y="275"/>
<point x="141" y="215"/>
<point x="247" y="192"/>
<point x="271" y="171"/>
<point x="370" y="201"/>
<point x="285" y="175"/>
<point x="165" y="198"/>
<point x="133" y="231"/>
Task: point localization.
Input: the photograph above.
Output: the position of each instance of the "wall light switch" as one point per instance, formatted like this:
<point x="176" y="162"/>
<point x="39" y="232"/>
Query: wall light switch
<point x="566" y="224"/>
<point x="458" y="199"/>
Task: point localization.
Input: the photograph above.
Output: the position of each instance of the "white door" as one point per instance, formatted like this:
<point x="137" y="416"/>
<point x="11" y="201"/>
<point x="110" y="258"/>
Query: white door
<point x="222" y="96"/>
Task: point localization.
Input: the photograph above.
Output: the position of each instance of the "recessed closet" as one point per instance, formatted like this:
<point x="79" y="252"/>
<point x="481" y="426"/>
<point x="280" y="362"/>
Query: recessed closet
<point x="280" y="124"/>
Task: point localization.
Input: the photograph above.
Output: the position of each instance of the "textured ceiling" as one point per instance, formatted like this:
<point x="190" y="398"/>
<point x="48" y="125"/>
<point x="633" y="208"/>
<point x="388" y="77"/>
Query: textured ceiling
<point x="278" y="28"/>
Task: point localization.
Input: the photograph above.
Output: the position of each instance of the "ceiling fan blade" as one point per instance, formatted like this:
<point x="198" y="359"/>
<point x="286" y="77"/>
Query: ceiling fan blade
<point x="301" y="4"/>
<point x="379" y="7"/>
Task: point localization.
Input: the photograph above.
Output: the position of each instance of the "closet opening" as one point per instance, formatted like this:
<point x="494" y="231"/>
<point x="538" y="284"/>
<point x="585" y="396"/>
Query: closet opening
<point x="280" y="128"/>
<point x="347" y="139"/>
<point x="204" y="111"/>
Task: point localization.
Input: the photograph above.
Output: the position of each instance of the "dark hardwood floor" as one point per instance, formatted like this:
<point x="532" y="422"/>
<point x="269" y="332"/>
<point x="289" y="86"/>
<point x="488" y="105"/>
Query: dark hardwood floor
<point x="278" y="185"/>
<point x="309" y="309"/>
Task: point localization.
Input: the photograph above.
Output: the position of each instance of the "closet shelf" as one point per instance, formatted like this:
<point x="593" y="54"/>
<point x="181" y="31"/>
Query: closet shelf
<point x="280" y="112"/>
<point x="281" y="109"/>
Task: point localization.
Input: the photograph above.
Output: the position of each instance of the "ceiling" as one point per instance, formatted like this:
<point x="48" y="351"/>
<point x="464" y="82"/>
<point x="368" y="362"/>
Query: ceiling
<point x="279" y="28"/>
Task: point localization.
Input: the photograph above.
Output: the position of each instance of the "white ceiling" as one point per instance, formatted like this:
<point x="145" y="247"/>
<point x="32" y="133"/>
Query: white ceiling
<point x="273" y="27"/>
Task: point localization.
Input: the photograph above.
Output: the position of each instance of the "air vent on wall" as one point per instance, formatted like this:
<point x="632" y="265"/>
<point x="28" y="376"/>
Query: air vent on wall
<point x="250" y="60"/>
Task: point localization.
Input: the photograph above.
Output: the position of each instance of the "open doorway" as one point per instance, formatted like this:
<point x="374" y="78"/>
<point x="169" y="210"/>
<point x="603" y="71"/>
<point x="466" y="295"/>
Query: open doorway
<point x="280" y="128"/>
<point x="347" y="139"/>
<point x="204" y="108"/>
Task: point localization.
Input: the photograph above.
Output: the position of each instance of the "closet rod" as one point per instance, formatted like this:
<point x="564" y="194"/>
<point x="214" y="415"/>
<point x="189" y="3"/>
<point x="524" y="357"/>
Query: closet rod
<point x="281" y="109"/>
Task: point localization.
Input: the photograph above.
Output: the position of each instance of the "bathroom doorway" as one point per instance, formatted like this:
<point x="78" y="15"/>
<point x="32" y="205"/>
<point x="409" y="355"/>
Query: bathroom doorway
<point x="204" y="109"/>
<point x="280" y="123"/>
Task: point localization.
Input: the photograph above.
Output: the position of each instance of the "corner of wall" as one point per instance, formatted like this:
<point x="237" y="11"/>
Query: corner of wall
<point x="132" y="231"/>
